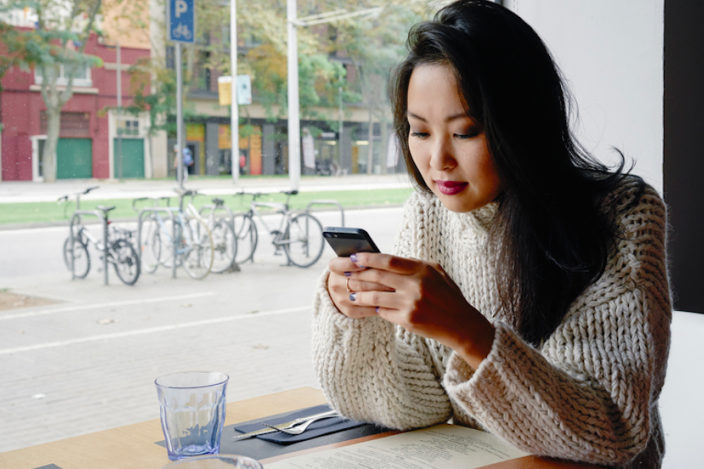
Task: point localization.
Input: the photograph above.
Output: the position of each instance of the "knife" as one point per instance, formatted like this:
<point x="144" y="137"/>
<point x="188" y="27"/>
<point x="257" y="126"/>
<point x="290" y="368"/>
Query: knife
<point x="264" y="431"/>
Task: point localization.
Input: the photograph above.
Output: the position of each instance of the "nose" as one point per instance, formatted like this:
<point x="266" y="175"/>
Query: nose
<point x="442" y="157"/>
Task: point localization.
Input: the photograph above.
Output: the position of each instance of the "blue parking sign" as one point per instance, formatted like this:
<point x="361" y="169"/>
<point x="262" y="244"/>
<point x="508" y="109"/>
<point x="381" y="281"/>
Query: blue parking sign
<point x="180" y="20"/>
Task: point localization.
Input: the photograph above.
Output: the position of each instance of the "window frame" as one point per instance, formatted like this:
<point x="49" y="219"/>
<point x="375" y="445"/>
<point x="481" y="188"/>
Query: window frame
<point x="62" y="81"/>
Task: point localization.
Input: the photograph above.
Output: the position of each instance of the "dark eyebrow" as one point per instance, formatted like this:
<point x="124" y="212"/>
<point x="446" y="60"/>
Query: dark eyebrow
<point x="447" y="119"/>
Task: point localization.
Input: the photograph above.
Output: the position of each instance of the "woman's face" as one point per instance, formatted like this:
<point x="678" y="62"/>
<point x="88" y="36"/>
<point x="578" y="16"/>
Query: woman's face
<point x="448" y="147"/>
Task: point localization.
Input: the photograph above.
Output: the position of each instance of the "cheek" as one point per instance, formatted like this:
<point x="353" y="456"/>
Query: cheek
<point x="490" y="178"/>
<point x="418" y="154"/>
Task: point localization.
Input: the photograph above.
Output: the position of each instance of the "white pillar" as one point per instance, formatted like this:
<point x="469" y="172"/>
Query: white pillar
<point x="294" y="132"/>
<point x="234" y="118"/>
<point x="119" y="113"/>
<point x="179" y="116"/>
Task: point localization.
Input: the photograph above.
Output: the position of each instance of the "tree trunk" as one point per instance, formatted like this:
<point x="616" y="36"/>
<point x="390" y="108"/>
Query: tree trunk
<point x="149" y="174"/>
<point x="53" y="116"/>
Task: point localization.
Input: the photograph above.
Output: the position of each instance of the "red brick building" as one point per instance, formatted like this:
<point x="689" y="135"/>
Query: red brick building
<point x="88" y="124"/>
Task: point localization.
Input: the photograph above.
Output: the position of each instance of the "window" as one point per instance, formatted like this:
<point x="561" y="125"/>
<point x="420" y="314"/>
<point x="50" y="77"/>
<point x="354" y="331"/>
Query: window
<point x="81" y="77"/>
<point x="128" y="127"/>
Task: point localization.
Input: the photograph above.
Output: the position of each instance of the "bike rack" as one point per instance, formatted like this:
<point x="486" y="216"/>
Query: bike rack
<point x="140" y="221"/>
<point x="329" y="202"/>
<point x="77" y="215"/>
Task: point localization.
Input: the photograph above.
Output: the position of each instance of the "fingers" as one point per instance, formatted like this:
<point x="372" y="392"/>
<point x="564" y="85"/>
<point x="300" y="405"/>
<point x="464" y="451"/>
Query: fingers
<point x="340" y="265"/>
<point x="375" y="299"/>
<point x="355" y="285"/>
<point x="387" y="262"/>
<point x="340" y="295"/>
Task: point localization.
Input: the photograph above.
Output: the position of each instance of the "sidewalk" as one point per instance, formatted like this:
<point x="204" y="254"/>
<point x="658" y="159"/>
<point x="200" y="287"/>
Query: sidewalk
<point x="25" y="191"/>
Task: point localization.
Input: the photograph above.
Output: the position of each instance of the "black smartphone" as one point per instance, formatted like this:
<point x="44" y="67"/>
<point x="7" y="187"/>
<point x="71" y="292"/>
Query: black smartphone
<point x="348" y="241"/>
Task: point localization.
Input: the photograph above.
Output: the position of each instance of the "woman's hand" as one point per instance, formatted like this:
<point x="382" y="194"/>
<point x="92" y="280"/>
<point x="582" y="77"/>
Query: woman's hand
<point x="420" y="297"/>
<point x="341" y="285"/>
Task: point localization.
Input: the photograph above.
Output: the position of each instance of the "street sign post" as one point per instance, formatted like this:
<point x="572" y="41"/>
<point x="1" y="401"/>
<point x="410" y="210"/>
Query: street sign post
<point x="180" y="28"/>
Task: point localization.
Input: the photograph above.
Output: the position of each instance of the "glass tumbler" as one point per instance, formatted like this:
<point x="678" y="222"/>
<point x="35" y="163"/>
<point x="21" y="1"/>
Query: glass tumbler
<point x="192" y="412"/>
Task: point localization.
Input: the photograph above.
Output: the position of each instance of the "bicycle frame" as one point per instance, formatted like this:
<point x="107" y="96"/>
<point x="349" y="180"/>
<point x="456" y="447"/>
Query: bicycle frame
<point x="154" y="211"/>
<point x="178" y="227"/>
<point x="286" y="216"/>
<point x="76" y="221"/>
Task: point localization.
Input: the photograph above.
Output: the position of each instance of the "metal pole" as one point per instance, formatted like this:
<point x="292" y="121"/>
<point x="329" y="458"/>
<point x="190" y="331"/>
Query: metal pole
<point x="119" y="113"/>
<point x="340" y="134"/>
<point x="105" y="247"/>
<point x="294" y="131"/>
<point x="179" y="117"/>
<point x="234" y="112"/>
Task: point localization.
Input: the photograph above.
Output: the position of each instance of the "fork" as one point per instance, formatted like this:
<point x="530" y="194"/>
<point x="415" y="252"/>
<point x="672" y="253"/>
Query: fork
<point x="302" y="427"/>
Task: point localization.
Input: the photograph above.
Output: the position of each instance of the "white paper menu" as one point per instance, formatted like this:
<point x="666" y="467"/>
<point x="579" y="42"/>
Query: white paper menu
<point x="439" y="447"/>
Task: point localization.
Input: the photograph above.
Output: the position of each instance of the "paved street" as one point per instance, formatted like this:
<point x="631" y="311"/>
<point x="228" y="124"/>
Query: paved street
<point x="88" y="362"/>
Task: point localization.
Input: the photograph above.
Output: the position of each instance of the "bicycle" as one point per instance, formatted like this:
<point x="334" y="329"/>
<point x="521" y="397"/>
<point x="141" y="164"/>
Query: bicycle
<point x="224" y="239"/>
<point x="183" y="239"/>
<point x="118" y="249"/>
<point x="299" y="234"/>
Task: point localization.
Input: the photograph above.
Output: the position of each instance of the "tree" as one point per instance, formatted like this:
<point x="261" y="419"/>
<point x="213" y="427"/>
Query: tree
<point x="376" y="46"/>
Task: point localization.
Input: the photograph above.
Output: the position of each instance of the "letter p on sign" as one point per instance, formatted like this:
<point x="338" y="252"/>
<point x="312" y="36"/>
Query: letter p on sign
<point x="181" y="7"/>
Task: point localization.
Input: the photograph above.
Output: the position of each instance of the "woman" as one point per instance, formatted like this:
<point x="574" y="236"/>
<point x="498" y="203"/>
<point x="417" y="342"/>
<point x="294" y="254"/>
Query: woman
<point x="528" y="292"/>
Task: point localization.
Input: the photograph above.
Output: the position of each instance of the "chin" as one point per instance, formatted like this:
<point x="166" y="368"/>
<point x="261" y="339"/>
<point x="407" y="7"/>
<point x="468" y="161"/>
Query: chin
<point x="454" y="204"/>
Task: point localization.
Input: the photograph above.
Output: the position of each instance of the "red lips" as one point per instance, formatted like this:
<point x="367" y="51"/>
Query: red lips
<point x="450" y="187"/>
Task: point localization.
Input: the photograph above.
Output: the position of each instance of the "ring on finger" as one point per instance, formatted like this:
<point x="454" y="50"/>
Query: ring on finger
<point x="347" y="284"/>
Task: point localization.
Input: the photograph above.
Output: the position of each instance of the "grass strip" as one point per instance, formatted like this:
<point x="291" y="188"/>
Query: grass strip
<point x="43" y="212"/>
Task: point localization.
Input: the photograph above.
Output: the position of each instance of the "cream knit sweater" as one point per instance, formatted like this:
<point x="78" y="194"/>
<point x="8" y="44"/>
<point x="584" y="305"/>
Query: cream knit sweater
<point x="588" y="393"/>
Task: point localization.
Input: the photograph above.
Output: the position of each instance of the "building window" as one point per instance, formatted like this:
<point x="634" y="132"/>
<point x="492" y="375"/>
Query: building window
<point x="81" y="77"/>
<point x="128" y="127"/>
<point x="72" y="125"/>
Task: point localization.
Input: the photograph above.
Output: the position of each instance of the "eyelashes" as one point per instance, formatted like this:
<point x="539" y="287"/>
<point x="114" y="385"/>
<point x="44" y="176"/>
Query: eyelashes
<point x="467" y="136"/>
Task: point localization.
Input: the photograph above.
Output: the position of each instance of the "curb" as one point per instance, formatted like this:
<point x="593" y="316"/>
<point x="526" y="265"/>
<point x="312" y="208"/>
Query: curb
<point x="64" y="223"/>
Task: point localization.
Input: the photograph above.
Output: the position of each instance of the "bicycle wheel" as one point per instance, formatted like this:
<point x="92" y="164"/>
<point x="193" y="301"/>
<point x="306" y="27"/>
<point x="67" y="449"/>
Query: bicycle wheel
<point x="81" y="258"/>
<point x="224" y="246"/>
<point x="247" y="237"/>
<point x="150" y="249"/>
<point x="198" y="250"/>
<point x="126" y="261"/>
<point x="303" y="240"/>
<point x="167" y="239"/>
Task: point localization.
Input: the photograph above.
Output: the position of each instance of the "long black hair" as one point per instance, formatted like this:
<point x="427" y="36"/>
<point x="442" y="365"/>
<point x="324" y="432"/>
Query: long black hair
<point x="552" y="236"/>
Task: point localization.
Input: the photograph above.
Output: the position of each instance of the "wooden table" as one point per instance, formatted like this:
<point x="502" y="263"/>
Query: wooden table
<point x="133" y="446"/>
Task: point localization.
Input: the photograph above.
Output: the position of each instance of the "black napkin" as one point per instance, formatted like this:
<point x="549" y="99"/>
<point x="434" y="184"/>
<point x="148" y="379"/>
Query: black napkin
<point x="316" y="429"/>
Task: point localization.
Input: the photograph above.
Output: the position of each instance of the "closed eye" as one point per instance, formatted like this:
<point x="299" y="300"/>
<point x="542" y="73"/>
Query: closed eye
<point x="468" y="135"/>
<point x="419" y="134"/>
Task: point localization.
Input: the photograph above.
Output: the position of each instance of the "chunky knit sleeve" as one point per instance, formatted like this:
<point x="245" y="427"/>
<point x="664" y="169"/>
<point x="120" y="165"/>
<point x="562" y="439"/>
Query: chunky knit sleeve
<point x="590" y="392"/>
<point x="371" y="370"/>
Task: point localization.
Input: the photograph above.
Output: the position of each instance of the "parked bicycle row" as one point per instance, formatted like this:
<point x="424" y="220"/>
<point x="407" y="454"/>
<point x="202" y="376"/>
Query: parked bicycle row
<point x="210" y="239"/>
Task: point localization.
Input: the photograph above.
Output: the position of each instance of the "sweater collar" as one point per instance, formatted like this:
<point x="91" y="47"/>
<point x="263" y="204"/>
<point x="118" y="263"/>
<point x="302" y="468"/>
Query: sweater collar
<point x="472" y="228"/>
<point x="479" y="220"/>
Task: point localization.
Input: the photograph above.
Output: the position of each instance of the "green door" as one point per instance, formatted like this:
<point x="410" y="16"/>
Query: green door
<point x="74" y="158"/>
<point x="132" y="158"/>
